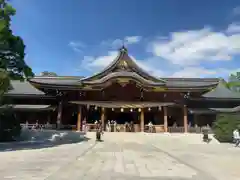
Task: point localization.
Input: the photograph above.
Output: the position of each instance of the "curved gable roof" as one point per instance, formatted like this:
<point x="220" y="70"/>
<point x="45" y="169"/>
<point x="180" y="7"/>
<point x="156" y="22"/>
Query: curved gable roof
<point x="222" y="92"/>
<point x="123" y="63"/>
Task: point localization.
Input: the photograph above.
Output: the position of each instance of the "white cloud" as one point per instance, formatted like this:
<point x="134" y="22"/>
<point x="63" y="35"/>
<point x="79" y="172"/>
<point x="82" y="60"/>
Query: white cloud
<point x="181" y="54"/>
<point x="192" y="47"/>
<point x="132" y="39"/>
<point x="97" y="63"/>
<point x="233" y="28"/>
<point x="77" y="46"/>
<point x="117" y="43"/>
<point x="153" y="67"/>
<point x="236" y="10"/>
<point x="198" y="71"/>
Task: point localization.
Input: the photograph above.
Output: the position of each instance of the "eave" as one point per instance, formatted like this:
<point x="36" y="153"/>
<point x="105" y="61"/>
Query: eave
<point x="30" y="96"/>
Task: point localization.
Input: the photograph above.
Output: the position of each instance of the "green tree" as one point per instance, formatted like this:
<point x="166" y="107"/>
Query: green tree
<point x="12" y="66"/>
<point x="10" y="127"/>
<point x="224" y="126"/>
<point x="4" y="82"/>
<point x="47" y="73"/>
<point x="234" y="82"/>
<point x="12" y="48"/>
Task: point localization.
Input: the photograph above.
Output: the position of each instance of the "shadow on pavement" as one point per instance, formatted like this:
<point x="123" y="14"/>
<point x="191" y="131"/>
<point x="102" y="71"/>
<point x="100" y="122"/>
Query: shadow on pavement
<point x="30" y="145"/>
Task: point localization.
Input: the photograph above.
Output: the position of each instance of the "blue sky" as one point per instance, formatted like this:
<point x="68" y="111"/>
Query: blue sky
<point x="168" y="38"/>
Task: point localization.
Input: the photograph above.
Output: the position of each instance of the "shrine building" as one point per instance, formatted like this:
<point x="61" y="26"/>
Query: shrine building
<point x="123" y="92"/>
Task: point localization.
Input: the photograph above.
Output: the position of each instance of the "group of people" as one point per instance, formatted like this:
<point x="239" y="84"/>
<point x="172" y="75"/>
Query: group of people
<point x="112" y="126"/>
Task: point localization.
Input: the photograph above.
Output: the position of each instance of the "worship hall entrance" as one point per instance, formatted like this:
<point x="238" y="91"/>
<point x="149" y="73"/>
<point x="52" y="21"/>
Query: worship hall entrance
<point x="121" y="120"/>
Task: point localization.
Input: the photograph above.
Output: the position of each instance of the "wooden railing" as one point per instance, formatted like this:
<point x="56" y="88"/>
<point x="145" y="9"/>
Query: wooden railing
<point x="44" y="126"/>
<point x="122" y="128"/>
<point x="180" y="129"/>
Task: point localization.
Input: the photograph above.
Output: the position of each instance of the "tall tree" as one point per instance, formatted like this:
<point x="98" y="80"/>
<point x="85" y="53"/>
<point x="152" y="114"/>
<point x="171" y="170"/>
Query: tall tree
<point x="47" y="73"/>
<point x="12" y="66"/>
<point x="234" y="82"/>
<point x="12" y="48"/>
<point x="4" y="82"/>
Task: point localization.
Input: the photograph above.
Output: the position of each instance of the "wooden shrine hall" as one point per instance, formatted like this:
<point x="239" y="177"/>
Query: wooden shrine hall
<point x="123" y="92"/>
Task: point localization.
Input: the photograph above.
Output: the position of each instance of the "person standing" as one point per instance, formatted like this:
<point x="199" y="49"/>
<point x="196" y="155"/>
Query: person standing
<point x="236" y="137"/>
<point x="108" y="126"/>
<point x="150" y="127"/>
<point x="84" y="126"/>
<point x="99" y="131"/>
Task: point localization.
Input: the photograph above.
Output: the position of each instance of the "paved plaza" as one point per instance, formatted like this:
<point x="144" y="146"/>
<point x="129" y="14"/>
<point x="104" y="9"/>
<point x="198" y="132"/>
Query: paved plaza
<point x="121" y="156"/>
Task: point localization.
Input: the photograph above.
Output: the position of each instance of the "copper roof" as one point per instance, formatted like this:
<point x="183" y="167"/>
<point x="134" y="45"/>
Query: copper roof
<point x="116" y="104"/>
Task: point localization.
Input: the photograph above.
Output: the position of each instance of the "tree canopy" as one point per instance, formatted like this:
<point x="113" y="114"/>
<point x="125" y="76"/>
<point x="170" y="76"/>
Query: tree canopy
<point x="234" y="82"/>
<point x="12" y="48"/>
<point x="4" y="82"/>
<point x="47" y="73"/>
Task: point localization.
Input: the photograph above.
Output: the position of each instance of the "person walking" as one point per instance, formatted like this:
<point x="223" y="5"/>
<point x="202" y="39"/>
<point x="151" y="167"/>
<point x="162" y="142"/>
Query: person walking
<point x="236" y="137"/>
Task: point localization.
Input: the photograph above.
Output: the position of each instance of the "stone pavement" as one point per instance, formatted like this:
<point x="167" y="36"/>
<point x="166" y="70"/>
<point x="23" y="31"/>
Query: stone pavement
<point x="123" y="156"/>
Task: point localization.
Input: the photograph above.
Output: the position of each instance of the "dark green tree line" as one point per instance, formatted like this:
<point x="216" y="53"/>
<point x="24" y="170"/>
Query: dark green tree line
<point x="12" y="66"/>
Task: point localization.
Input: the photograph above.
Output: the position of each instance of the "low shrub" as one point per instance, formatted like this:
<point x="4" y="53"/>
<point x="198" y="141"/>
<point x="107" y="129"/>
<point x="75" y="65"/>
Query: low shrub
<point x="10" y="128"/>
<point x="224" y="126"/>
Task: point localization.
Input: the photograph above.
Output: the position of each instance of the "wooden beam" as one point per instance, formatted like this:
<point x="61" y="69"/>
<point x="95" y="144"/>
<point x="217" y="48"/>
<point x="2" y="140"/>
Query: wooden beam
<point x="165" y="119"/>
<point x="79" y="118"/>
<point x="59" y="115"/>
<point x="142" y="120"/>
<point x="185" y="119"/>
<point x="103" y="116"/>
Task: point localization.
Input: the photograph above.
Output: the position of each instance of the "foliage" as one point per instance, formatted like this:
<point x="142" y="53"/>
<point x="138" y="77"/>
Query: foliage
<point x="12" y="66"/>
<point x="234" y="82"/>
<point x="10" y="128"/>
<point x="47" y="73"/>
<point x="12" y="48"/>
<point x="224" y="126"/>
<point x="4" y="82"/>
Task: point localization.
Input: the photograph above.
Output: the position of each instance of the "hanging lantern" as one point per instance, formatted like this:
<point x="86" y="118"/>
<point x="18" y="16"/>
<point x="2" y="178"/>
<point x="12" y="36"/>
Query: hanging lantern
<point x="112" y="109"/>
<point x="149" y="109"/>
<point x="159" y="108"/>
<point x="96" y="108"/>
<point x="122" y="109"/>
<point x="139" y="109"/>
<point x="131" y="110"/>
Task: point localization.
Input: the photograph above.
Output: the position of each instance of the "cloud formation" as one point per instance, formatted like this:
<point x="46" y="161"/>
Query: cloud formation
<point x="192" y="47"/>
<point x="236" y="11"/>
<point x="180" y="54"/>
<point x="233" y="28"/>
<point x="77" y="46"/>
<point x="116" y="43"/>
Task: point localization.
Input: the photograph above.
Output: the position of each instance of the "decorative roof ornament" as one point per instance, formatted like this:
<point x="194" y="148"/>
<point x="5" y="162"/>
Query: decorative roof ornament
<point x="123" y="65"/>
<point x="123" y="49"/>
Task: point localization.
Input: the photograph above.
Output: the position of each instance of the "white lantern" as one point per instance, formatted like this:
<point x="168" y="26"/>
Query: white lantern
<point x="159" y="108"/>
<point x="112" y="109"/>
<point x="96" y="108"/>
<point x="149" y="109"/>
<point x="122" y="109"/>
<point x="131" y="110"/>
<point x="139" y="109"/>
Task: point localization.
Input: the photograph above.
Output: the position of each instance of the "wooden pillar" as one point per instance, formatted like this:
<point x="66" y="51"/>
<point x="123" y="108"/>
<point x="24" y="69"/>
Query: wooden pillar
<point x="185" y="119"/>
<point x="165" y="119"/>
<point x="79" y="118"/>
<point x="103" y="116"/>
<point x="142" y="120"/>
<point x="59" y="115"/>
